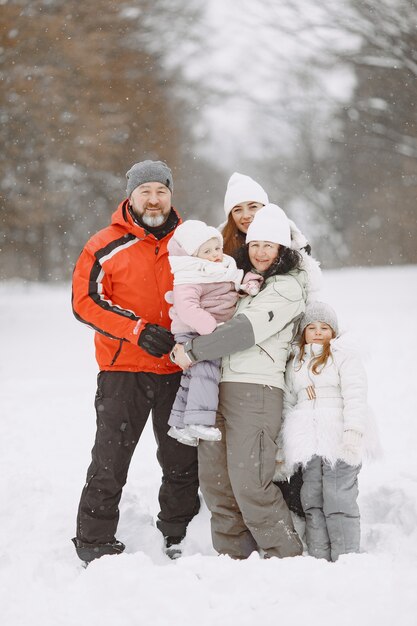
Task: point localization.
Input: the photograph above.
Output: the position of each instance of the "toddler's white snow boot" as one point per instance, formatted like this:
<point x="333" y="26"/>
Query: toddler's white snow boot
<point x="208" y="433"/>
<point x="183" y="436"/>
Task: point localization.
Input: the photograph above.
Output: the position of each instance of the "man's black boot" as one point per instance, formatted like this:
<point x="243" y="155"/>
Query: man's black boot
<point x="88" y="552"/>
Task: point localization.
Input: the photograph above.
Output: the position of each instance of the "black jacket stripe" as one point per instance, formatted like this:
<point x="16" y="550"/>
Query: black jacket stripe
<point x="97" y="270"/>
<point x="94" y="281"/>
<point x="122" y="241"/>
<point x="99" y="330"/>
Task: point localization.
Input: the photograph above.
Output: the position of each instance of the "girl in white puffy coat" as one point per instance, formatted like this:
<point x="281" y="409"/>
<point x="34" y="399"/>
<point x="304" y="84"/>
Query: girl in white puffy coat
<point x="327" y="430"/>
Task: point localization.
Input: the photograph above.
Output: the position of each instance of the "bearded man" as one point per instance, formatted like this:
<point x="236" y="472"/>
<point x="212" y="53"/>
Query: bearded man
<point x="119" y="285"/>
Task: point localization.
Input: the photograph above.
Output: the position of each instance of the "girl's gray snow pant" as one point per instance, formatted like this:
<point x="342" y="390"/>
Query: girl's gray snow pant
<point x="329" y="498"/>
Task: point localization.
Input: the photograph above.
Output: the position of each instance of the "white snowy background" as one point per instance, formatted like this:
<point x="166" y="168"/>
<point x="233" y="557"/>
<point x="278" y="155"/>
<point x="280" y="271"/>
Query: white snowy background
<point x="47" y="426"/>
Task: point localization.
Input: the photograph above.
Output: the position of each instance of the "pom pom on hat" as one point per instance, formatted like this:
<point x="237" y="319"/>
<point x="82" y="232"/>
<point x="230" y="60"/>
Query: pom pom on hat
<point x="319" y="312"/>
<point x="148" y="172"/>
<point x="270" y="224"/>
<point x="242" y="188"/>
<point x="193" y="233"/>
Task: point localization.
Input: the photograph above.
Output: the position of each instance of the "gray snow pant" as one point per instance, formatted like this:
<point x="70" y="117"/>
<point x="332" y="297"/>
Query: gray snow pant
<point x="198" y="395"/>
<point x="329" y="498"/>
<point x="248" y="510"/>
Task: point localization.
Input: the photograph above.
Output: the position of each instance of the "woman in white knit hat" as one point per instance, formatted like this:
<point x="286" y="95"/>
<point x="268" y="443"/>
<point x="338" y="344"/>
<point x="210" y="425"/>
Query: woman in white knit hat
<point x="248" y="510"/>
<point x="243" y="198"/>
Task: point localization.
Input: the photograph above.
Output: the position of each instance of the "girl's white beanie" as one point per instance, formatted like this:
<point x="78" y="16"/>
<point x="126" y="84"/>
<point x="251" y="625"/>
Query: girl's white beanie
<point x="270" y="224"/>
<point x="193" y="233"/>
<point x="242" y="188"/>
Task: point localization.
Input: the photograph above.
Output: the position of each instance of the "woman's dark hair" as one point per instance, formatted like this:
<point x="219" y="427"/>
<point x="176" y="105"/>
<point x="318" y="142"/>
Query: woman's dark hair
<point x="233" y="238"/>
<point x="287" y="260"/>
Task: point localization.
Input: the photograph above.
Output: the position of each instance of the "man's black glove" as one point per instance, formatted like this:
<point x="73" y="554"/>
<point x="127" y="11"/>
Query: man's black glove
<point x="156" y="340"/>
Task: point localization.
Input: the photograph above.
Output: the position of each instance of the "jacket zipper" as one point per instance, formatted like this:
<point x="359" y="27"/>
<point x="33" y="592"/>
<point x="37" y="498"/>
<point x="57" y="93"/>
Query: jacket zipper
<point x="161" y="298"/>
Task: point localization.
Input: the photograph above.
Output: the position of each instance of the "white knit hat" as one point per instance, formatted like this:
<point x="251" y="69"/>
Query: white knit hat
<point x="270" y="224"/>
<point x="241" y="188"/>
<point x="193" y="233"/>
<point x="319" y="312"/>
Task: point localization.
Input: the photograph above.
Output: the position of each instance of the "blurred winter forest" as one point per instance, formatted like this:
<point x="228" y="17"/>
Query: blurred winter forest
<point x="316" y="100"/>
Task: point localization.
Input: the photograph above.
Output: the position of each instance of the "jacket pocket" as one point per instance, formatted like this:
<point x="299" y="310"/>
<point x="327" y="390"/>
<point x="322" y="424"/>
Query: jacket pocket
<point x="267" y="453"/>
<point x="261" y="457"/>
<point x="262" y="350"/>
<point x="117" y="353"/>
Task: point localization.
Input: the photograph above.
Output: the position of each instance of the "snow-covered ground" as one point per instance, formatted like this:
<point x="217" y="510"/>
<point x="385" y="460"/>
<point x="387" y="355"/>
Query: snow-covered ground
<point x="46" y="432"/>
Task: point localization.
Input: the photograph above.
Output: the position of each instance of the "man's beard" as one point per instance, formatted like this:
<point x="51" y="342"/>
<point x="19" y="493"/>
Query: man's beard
<point x="153" y="221"/>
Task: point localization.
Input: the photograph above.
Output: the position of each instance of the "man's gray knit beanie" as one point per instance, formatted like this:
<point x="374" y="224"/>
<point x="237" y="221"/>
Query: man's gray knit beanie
<point x="148" y="172"/>
<point x="319" y="312"/>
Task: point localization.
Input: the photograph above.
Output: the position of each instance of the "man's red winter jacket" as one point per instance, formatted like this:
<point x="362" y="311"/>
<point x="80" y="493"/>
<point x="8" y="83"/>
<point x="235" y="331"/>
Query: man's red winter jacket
<point x="119" y="284"/>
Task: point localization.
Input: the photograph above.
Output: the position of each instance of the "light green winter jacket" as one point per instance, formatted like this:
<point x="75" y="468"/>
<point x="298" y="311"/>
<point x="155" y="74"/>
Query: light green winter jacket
<point x="254" y="343"/>
<point x="274" y="315"/>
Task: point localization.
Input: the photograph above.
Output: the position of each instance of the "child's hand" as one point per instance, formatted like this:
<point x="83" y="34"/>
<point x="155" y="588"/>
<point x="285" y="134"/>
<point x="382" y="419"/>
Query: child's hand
<point x="252" y="283"/>
<point x="251" y="288"/>
<point x="351" y="449"/>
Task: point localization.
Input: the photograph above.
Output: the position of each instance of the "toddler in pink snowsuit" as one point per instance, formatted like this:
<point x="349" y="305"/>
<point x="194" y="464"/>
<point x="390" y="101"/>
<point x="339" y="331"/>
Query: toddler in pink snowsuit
<point x="206" y="286"/>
